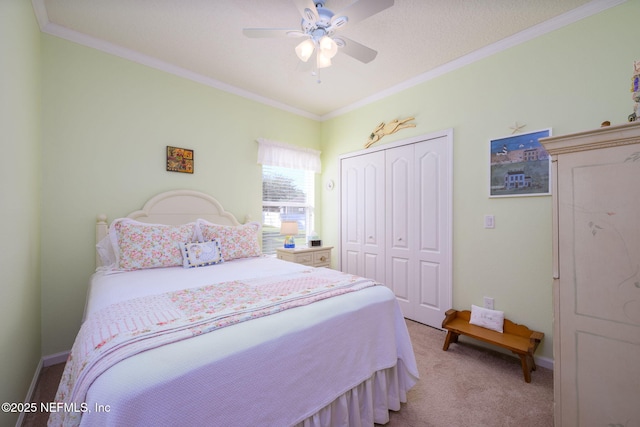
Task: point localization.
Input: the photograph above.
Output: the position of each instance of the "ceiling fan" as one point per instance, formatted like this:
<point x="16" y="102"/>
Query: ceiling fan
<point x="320" y="26"/>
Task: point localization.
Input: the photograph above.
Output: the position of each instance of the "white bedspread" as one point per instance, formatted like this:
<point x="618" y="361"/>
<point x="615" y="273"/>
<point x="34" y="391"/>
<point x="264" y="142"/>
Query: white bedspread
<point x="278" y="370"/>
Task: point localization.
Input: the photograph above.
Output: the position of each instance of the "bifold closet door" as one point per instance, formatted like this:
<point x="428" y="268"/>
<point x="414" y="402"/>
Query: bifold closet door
<point x="362" y="215"/>
<point x="418" y="248"/>
<point x="396" y="223"/>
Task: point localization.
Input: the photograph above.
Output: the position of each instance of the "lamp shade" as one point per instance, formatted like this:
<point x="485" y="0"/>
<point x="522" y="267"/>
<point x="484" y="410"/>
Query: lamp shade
<point x="289" y="228"/>
<point x="328" y="47"/>
<point x="305" y="49"/>
<point x="323" y="61"/>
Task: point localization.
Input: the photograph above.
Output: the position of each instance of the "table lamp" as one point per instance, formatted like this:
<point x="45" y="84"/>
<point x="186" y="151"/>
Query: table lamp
<point x="289" y="229"/>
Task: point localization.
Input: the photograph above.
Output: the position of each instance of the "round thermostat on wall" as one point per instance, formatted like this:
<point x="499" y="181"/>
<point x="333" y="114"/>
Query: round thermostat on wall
<point x="329" y="185"/>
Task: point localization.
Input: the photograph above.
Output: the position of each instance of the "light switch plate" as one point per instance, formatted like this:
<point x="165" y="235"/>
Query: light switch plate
<point x="489" y="221"/>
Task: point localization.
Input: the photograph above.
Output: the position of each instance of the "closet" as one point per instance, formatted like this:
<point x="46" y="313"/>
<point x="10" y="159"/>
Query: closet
<point x="596" y="286"/>
<point x="395" y="221"/>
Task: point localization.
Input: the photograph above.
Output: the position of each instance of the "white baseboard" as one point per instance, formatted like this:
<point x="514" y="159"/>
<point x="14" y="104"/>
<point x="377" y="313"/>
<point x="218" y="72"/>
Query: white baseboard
<point x="32" y="388"/>
<point x="54" y="359"/>
<point x="45" y="361"/>
<point x="544" y="362"/>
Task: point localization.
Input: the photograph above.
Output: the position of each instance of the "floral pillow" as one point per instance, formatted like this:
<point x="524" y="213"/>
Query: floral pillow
<point x="239" y="241"/>
<point x="138" y="245"/>
<point x="200" y="254"/>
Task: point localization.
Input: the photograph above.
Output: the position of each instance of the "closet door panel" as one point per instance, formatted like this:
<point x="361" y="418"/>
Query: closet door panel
<point x="429" y="202"/>
<point x="429" y="274"/>
<point x="432" y="170"/>
<point x="400" y="226"/>
<point x="373" y="227"/>
<point x="352" y="180"/>
<point x="399" y="184"/>
<point x="373" y="198"/>
<point x="373" y="240"/>
<point x="362" y="215"/>
<point x="399" y="281"/>
<point x="372" y="262"/>
<point x="350" y="261"/>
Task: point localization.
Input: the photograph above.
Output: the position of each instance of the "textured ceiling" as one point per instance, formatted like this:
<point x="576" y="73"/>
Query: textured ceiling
<point x="203" y="40"/>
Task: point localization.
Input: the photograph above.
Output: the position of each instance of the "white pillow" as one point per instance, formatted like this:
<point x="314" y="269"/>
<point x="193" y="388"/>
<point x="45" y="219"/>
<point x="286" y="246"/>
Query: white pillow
<point x="490" y="319"/>
<point x="200" y="254"/>
<point x="106" y="253"/>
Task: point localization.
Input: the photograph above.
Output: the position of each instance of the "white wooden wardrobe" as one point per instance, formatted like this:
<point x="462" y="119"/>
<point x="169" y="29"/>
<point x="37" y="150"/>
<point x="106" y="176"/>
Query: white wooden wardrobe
<point x="596" y="199"/>
<point x="396" y="221"/>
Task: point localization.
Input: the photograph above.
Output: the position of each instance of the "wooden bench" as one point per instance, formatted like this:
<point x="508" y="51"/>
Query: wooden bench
<point x="517" y="338"/>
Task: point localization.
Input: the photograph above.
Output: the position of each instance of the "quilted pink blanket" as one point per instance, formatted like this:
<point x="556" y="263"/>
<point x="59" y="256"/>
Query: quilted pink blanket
<point x="133" y="326"/>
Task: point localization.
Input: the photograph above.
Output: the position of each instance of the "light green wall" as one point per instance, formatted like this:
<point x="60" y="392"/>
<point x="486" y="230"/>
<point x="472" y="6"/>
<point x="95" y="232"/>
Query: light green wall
<point x="19" y="202"/>
<point x="106" y="123"/>
<point x="569" y="80"/>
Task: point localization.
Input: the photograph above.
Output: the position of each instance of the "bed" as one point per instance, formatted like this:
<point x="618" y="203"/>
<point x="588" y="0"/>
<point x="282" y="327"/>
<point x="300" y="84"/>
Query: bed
<point x="334" y="352"/>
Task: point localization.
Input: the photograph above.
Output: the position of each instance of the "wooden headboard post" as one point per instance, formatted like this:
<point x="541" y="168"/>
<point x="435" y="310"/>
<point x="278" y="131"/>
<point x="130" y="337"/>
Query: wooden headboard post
<point x="102" y="229"/>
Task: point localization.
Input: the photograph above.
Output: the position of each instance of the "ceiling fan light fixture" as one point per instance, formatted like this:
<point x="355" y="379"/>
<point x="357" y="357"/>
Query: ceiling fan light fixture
<point x="328" y="47"/>
<point x="305" y="49"/>
<point x="323" y="61"/>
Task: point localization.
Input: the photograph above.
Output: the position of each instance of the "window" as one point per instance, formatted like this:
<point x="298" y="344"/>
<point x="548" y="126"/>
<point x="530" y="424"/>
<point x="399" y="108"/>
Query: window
<point x="288" y="173"/>
<point x="287" y="195"/>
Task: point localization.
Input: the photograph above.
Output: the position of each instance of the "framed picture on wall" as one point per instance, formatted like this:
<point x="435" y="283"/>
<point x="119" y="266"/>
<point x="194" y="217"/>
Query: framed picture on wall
<point x="519" y="165"/>
<point x="179" y="160"/>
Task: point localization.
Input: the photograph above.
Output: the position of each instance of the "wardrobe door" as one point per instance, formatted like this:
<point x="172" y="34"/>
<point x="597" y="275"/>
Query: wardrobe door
<point x="362" y="215"/>
<point x="596" y="223"/>
<point x="598" y="306"/>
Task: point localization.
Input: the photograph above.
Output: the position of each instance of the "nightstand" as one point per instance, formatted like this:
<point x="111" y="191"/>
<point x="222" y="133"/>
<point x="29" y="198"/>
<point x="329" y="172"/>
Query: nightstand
<point x="315" y="257"/>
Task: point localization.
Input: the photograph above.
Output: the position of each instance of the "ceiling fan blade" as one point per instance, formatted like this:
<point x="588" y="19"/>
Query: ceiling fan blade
<point x="255" y="33"/>
<point x="307" y="9"/>
<point x="362" y="9"/>
<point x="356" y="50"/>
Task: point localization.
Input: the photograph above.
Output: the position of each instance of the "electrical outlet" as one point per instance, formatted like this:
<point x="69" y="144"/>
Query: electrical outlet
<point x="488" y="303"/>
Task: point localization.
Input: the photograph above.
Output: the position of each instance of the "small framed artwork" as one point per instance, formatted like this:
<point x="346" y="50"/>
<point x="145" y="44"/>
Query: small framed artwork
<point x="519" y="165"/>
<point x="179" y="160"/>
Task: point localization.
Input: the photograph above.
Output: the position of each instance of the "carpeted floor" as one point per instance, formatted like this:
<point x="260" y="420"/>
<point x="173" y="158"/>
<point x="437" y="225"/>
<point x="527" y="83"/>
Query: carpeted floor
<point x="472" y="386"/>
<point x="464" y="386"/>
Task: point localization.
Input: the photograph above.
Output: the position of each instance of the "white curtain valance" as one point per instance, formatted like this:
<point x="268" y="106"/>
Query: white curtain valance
<point x="273" y="153"/>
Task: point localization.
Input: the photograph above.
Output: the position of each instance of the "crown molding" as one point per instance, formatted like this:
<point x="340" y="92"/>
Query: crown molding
<point x="52" y="29"/>
<point x="575" y="15"/>
<point x="585" y="11"/>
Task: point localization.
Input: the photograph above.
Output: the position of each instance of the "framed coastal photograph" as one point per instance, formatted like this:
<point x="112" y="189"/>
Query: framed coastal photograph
<point x="519" y="165"/>
<point x="179" y="160"/>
